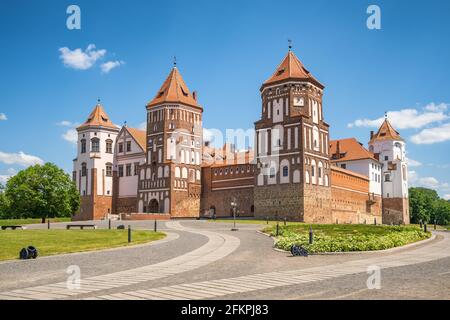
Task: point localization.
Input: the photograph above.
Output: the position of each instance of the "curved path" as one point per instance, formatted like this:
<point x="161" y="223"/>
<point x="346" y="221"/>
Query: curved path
<point x="236" y="286"/>
<point x="218" y="246"/>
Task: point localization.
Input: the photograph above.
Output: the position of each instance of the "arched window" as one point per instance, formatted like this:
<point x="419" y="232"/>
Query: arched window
<point x="285" y="171"/>
<point x="109" y="146"/>
<point x="313" y="172"/>
<point x="184" y="173"/>
<point x="327" y="181"/>
<point x="177" y="172"/>
<point x="83" y="169"/>
<point x="306" y="176"/>
<point x="95" y="145"/>
<point x="83" y="145"/>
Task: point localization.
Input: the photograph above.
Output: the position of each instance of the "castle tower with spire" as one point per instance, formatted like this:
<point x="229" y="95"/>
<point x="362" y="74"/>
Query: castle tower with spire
<point x="292" y="137"/>
<point x="93" y="166"/>
<point x="389" y="147"/>
<point x="170" y="182"/>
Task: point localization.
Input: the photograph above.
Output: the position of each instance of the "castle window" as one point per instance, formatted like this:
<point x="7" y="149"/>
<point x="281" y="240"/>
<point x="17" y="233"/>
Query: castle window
<point x="95" y="145"/>
<point x="136" y="168"/>
<point x="109" y="146"/>
<point x="109" y="170"/>
<point x="343" y="166"/>
<point x="387" y="178"/>
<point x="272" y="172"/>
<point x="83" y="169"/>
<point x="121" y="171"/>
<point x="285" y="171"/>
<point x="83" y="146"/>
<point x="120" y="147"/>
<point x="386" y="158"/>
<point x="128" y="170"/>
<point x="128" y="146"/>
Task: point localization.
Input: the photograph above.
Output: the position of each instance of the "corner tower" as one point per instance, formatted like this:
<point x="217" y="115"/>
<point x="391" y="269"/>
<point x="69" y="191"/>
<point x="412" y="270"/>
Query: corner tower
<point x="390" y="148"/>
<point x="170" y="180"/>
<point x="293" y="166"/>
<point x="93" y="166"/>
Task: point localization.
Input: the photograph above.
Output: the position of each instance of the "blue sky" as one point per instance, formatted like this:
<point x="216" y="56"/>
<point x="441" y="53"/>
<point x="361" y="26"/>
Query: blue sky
<point x="225" y="50"/>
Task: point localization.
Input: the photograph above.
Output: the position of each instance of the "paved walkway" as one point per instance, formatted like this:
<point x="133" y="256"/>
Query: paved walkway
<point x="218" y="246"/>
<point x="271" y="280"/>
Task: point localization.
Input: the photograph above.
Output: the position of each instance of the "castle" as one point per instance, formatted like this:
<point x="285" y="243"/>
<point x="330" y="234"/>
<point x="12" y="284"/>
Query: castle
<point x="295" y="171"/>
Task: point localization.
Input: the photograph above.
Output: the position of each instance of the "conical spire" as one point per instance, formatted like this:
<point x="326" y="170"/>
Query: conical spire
<point x="98" y="118"/>
<point x="174" y="90"/>
<point x="386" y="132"/>
<point x="291" y="68"/>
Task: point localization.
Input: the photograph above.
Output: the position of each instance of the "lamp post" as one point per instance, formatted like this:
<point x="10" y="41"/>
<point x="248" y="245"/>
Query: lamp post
<point x="233" y="207"/>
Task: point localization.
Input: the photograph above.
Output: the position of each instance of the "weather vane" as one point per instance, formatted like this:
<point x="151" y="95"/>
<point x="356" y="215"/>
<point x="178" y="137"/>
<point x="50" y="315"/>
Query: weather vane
<point x="98" y="100"/>
<point x="290" y="44"/>
<point x="174" y="61"/>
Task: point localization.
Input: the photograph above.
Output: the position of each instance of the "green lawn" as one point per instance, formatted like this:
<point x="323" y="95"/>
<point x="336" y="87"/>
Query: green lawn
<point x="346" y="237"/>
<point x="20" y="222"/>
<point x="51" y="242"/>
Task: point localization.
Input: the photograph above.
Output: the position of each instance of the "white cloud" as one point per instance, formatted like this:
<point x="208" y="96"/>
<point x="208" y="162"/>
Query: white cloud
<point x="71" y="136"/>
<point x="429" y="182"/>
<point x="414" y="163"/>
<point x="66" y="123"/>
<point x="447" y="196"/>
<point x="408" y="118"/>
<point x="3" y="117"/>
<point x="20" y="158"/>
<point x="413" y="177"/>
<point x="79" y="59"/>
<point x="432" y="135"/>
<point x="108" y="66"/>
<point x="4" y="179"/>
<point x="436" y="107"/>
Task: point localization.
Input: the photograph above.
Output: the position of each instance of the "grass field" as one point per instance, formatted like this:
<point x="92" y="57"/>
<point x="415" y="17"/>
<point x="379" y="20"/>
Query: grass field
<point x="51" y="242"/>
<point x="21" y="222"/>
<point x="346" y="237"/>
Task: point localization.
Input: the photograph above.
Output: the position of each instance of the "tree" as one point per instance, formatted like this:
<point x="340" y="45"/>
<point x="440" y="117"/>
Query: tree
<point x="4" y="203"/>
<point x="42" y="191"/>
<point x="421" y="204"/>
<point x="426" y="206"/>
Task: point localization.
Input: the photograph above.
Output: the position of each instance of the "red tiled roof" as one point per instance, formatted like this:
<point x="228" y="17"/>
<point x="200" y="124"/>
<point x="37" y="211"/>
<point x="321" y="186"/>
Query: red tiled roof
<point x="349" y="149"/>
<point x="386" y="132"/>
<point x="140" y="136"/>
<point x="98" y="117"/>
<point x="174" y="90"/>
<point x="291" y="68"/>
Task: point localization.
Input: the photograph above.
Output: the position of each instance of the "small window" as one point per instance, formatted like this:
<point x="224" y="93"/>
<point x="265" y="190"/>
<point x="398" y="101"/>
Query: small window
<point x="109" y="146"/>
<point x="83" y="170"/>
<point x="387" y="178"/>
<point x="95" y="145"/>
<point x="128" y="146"/>
<point x="109" y="170"/>
<point x="120" y="147"/>
<point x="83" y="146"/>
<point x="386" y="158"/>
<point x="136" y="168"/>
<point x="320" y="172"/>
<point x="343" y="166"/>
<point x="272" y="172"/>
<point x="121" y="171"/>
<point x="285" y="171"/>
<point x="128" y="170"/>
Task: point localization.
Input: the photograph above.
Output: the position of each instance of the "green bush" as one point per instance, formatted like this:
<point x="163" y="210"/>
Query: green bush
<point x="345" y="238"/>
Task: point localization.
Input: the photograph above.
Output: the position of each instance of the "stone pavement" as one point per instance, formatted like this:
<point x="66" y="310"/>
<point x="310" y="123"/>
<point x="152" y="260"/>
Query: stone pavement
<point x="209" y="261"/>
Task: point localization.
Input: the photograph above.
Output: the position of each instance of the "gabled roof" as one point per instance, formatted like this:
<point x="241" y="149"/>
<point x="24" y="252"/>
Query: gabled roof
<point x="174" y="90"/>
<point x="291" y="68"/>
<point x="348" y="150"/>
<point x="98" y="118"/>
<point x="140" y="136"/>
<point x="386" y="132"/>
